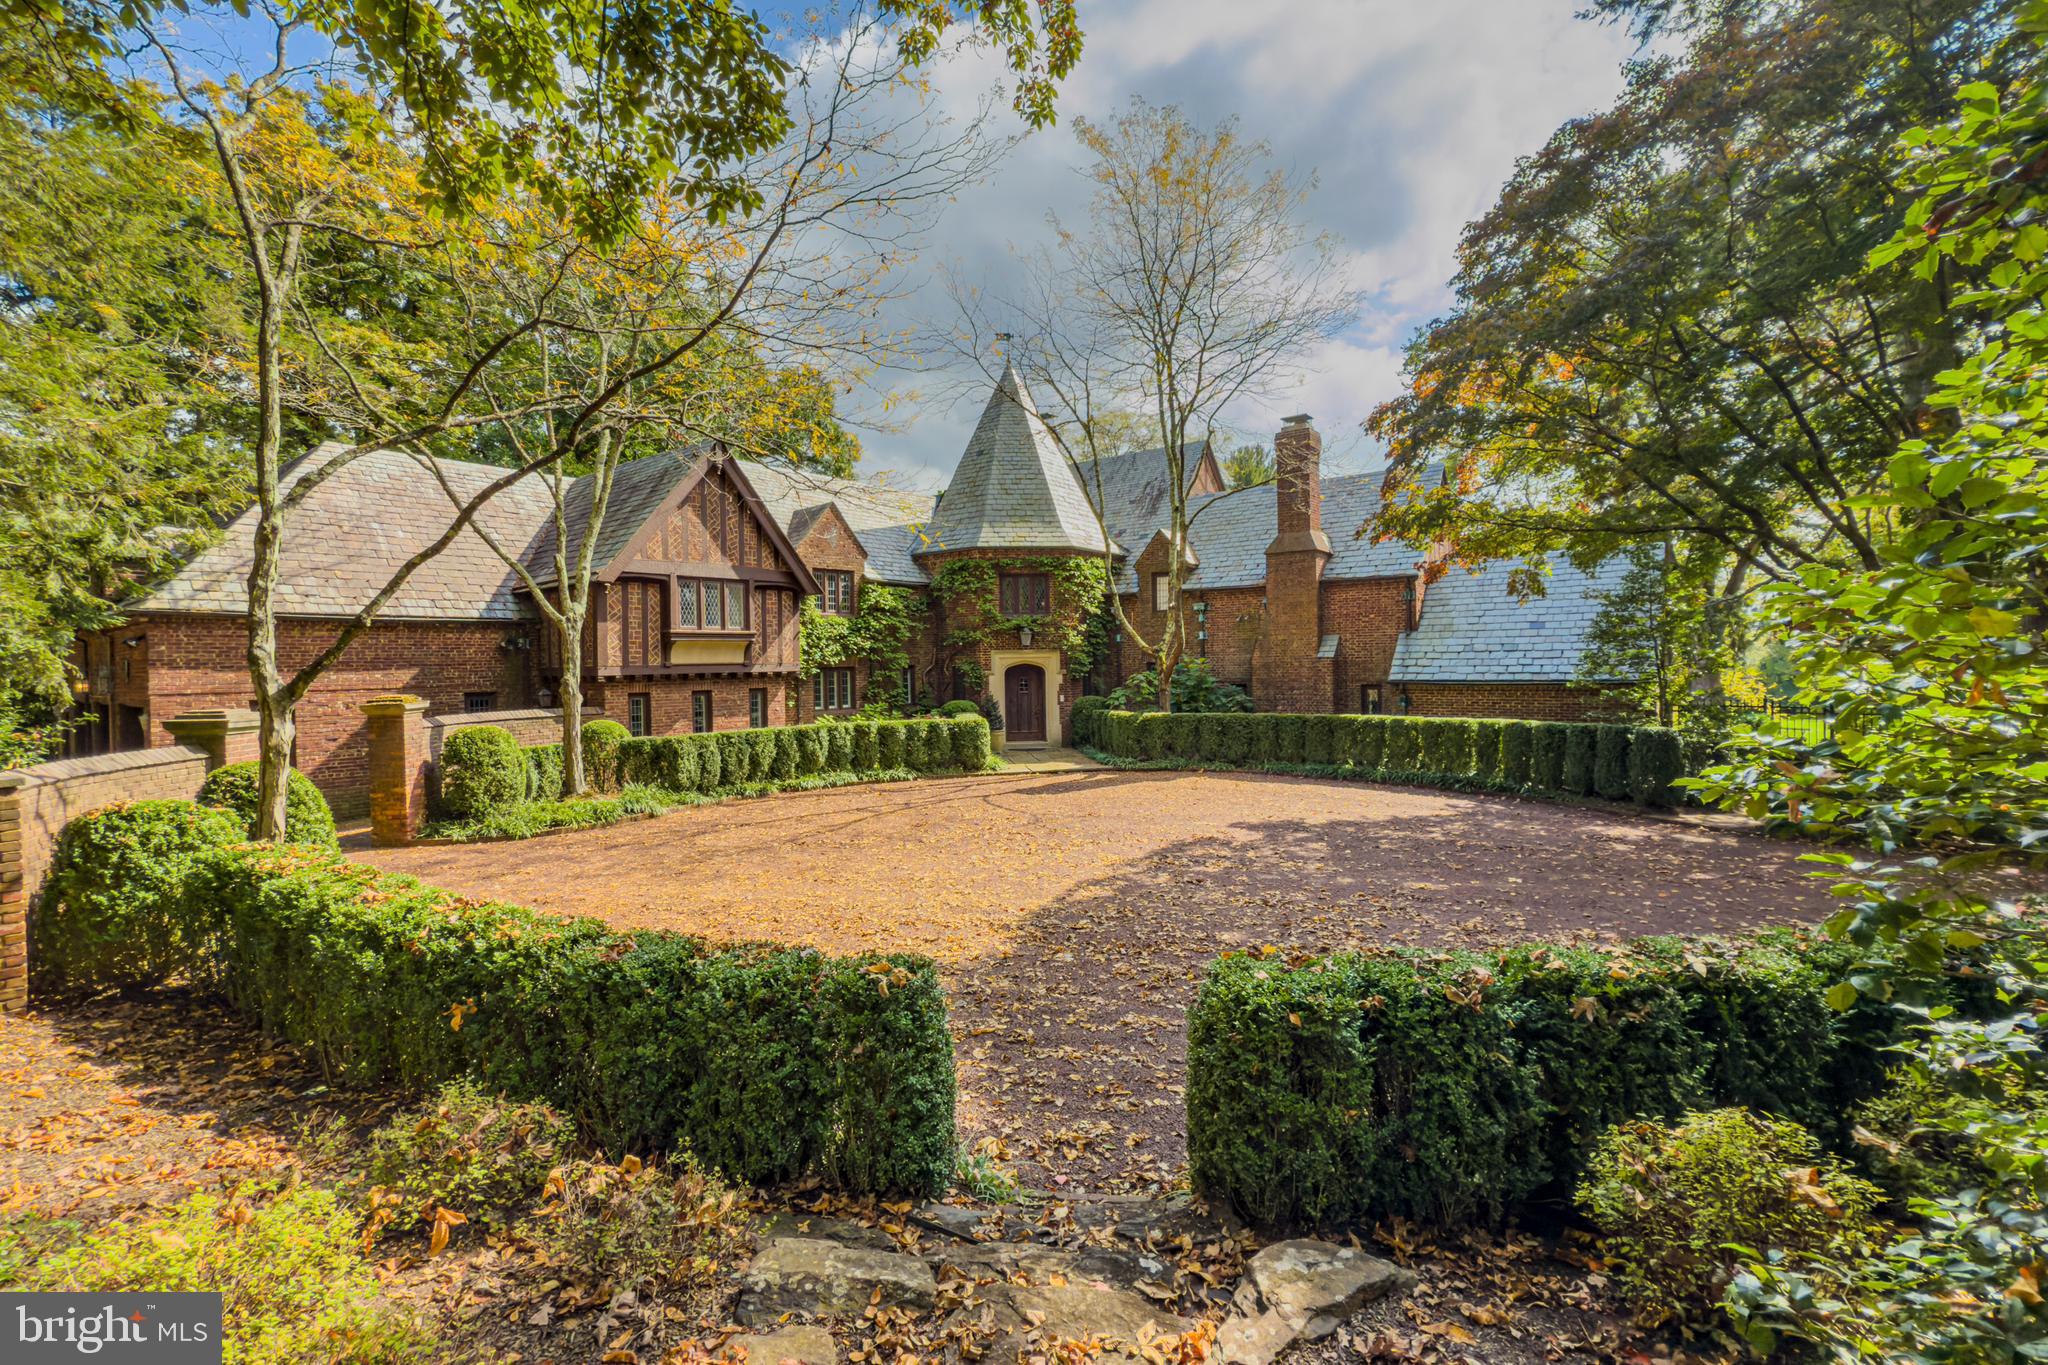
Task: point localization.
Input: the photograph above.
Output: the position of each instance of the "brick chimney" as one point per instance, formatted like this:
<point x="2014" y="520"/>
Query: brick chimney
<point x="1298" y="483"/>
<point x="1289" y="672"/>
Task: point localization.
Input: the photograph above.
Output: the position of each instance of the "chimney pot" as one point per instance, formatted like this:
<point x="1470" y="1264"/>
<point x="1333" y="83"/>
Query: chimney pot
<point x="1300" y="419"/>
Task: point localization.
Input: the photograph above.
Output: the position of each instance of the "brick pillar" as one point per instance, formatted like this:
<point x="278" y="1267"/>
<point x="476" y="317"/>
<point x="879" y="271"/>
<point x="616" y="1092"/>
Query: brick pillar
<point x="228" y="735"/>
<point x="1289" y="672"/>
<point x="13" y="899"/>
<point x="398" y="768"/>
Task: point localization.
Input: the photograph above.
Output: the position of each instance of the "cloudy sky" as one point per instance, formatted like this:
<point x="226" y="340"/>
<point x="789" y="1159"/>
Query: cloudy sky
<point x="1410" y="115"/>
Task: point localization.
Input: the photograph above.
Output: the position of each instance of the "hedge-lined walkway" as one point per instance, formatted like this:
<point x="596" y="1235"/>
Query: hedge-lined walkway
<point x="1072" y="913"/>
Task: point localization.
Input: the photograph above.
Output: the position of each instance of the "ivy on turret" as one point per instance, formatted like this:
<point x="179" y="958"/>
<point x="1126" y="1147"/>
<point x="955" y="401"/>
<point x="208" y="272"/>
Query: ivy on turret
<point x="968" y="589"/>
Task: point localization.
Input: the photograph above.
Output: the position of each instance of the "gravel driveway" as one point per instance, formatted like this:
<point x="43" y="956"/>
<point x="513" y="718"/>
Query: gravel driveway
<point x="1072" y="913"/>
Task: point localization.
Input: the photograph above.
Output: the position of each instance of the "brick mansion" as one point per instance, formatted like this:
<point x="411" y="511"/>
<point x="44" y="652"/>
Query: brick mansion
<point x="703" y="560"/>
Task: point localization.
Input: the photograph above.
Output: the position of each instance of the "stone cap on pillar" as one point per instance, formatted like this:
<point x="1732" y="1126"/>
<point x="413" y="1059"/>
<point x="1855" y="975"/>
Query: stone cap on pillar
<point x="395" y="704"/>
<point x="188" y="727"/>
<point x="227" y="734"/>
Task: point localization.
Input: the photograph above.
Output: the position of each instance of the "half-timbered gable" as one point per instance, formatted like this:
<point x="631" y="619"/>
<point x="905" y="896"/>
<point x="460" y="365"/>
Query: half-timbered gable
<point x="690" y="576"/>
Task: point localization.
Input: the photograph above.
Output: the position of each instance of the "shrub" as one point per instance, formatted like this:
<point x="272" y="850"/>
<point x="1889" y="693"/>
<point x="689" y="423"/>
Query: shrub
<point x="1673" y="1202"/>
<point x="1656" y="759"/>
<point x="914" y="757"/>
<point x="768" y="1063"/>
<point x="113" y="911"/>
<point x="960" y="708"/>
<point x="307" y="820"/>
<point x="1316" y="740"/>
<point x="464" y="1149"/>
<point x="1546" y="767"/>
<point x="482" y="770"/>
<point x="1446" y="747"/>
<point x="293" y="1285"/>
<point x="543" y="772"/>
<point x="889" y="745"/>
<point x="1403" y="749"/>
<point x="1290" y="738"/>
<point x="1610" y="762"/>
<point x="1486" y="749"/>
<point x="735" y="758"/>
<point x="867" y="754"/>
<point x="635" y="1224"/>
<point x="1451" y="1086"/>
<point x="601" y="741"/>
<point x="970" y="743"/>
<point x="1149" y="734"/>
<point x="1518" y="754"/>
<point x="799" y="752"/>
<point x="1910" y="1137"/>
<point x="1086" y="720"/>
<point x="768" y="751"/>
<point x="670" y="763"/>
<point x="1576" y="777"/>
<point x="1369" y="742"/>
<point x="839" y="748"/>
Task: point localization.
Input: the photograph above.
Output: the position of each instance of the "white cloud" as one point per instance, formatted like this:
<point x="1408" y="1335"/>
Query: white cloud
<point x="1410" y="115"/>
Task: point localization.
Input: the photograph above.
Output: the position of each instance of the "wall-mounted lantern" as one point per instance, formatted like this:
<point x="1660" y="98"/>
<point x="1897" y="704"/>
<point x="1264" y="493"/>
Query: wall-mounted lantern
<point x="1024" y="636"/>
<point x="1405" y="701"/>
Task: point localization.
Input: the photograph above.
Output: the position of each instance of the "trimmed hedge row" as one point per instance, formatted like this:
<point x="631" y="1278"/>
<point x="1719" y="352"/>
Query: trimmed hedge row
<point x="731" y="758"/>
<point x="1619" y="762"/>
<point x="484" y="770"/>
<point x="768" y="1063"/>
<point x="1447" y="1087"/>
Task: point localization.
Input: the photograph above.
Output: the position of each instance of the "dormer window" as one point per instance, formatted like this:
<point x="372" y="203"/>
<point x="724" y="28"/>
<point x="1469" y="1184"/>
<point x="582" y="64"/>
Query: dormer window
<point x="835" y="591"/>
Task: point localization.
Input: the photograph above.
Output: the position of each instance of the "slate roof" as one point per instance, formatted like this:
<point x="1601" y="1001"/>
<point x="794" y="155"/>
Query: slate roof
<point x="1229" y="533"/>
<point x="345" y="540"/>
<point x="1014" y="489"/>
<point x="638" y="487"/>
<point x="1473" y="630"/>
<point x="1133" y="490"/>
<point x="889" y="521"/>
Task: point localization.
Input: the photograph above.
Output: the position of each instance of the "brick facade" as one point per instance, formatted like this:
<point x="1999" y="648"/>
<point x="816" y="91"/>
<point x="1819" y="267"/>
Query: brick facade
<point x="1509" y="701"/>
<point x="670" y="700"/>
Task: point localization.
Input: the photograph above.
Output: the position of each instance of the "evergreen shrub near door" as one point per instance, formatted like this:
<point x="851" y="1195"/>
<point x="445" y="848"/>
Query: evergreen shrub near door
<point x="1452" y="1087"/>
<point x="1620" y="762"/>
<point x="768" y="1063"/>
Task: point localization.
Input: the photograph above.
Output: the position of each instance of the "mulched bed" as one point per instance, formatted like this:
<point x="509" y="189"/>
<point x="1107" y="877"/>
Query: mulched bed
<point x="1072" y="914"/>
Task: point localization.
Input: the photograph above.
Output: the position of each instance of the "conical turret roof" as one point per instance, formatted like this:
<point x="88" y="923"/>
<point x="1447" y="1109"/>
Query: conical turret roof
<point x="1014" y="490"/>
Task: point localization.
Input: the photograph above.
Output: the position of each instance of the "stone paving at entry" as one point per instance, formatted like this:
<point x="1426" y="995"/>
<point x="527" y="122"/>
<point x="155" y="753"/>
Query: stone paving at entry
<point x="1072" y="913"/>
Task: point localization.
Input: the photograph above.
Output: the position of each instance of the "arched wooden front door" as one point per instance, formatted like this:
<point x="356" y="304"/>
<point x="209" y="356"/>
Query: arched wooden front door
<point x="1024" y="702"/>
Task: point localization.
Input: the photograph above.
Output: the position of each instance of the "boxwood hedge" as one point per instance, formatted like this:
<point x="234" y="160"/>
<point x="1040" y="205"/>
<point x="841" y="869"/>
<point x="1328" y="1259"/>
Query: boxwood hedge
<point x="1620" y="762"/>
<point x="1449" y="1087"/>
<point x="768" y="1063"/>
<point x="731" y="758"/>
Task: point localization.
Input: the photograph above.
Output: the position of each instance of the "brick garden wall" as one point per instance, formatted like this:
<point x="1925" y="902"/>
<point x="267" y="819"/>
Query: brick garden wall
<point x="35" y="805"/>
<point x="196" y="662"/>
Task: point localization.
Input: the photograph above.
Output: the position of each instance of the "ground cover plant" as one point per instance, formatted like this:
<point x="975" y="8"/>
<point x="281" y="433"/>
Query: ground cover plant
<point x="1637" y="763"/>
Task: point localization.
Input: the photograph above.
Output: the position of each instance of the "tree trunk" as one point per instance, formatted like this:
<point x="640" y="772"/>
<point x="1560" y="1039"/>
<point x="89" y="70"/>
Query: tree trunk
<point x="278" y="728"/>
<point x="573" y="780"/>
